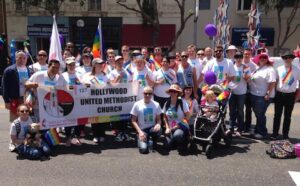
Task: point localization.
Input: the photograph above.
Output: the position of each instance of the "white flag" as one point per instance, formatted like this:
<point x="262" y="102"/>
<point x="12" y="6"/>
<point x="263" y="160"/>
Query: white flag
<point x="55" y="46"/>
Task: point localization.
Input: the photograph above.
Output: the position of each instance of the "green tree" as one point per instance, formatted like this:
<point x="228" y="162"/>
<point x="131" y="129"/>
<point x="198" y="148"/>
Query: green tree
<point x="149" y="11"/>
<point x="279" y="6"/>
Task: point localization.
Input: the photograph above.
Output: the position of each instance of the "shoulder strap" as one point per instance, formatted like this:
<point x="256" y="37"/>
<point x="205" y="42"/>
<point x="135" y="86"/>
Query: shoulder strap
<point x="18" y="126"/>
<point x="180" y="103"/>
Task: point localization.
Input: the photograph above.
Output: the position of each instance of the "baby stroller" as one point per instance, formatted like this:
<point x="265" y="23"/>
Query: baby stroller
<point x="208" y="131"/>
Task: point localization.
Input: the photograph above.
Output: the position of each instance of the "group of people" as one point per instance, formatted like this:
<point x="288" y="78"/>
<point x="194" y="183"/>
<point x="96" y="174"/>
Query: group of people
<point x="171" y="85"/>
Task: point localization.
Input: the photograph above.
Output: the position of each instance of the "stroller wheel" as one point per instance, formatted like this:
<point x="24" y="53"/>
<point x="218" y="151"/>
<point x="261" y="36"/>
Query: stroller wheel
<point x="208" y="151"/>
<point x="228" y="140"/>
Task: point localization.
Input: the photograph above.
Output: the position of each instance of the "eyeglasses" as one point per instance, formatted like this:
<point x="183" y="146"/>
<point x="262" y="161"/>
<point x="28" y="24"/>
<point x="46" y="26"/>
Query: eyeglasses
<point x="43" y="55"/>
<point x="147" y="93"/>
<point x="24" y="111"/>
<point x="184" y="56"/>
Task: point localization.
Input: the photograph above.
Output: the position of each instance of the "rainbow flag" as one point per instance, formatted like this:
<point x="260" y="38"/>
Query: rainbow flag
<point x="154" y="65"/>
<point x="52" y="137"/>
<point x="288" y="78"/>
<point x="97" y="44"/>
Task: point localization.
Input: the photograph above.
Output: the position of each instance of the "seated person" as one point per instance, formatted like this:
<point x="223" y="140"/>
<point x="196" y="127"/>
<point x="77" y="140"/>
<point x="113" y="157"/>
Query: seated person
<point x="19" y="132"/>
<point x="211" y="107"/>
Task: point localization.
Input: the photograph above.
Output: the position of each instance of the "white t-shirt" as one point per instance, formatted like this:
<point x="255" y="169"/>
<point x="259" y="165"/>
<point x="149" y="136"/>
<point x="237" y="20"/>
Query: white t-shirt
<point x="169" y="77"/>
<point x="287" y="82"/>
<point x="241" y="84"/>
<point x="38" y="67"/>
<point x="146" y="113"/>
<point x="206" y="61"/>
<point x="24" y="128"/>
<point x="42" y="78"/>
<point x="222" y="69"/>
<point x="260" y="80"/>
<point x="197" y="64"/>
<point x="251" y="65"/>
<point x="72" y="79"/>
<point x="23" y="77"/>
<point x="141" y="76"/>
<point x="173" y="116"/>
<point x="193" y="106"/>
<point x="115" y="73"/>
<point x="82" y="70"/>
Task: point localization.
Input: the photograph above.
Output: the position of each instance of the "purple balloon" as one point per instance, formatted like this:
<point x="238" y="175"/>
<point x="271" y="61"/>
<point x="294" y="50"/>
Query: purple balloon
<point x="210" y="78"/>
<point x="210" y="30"/>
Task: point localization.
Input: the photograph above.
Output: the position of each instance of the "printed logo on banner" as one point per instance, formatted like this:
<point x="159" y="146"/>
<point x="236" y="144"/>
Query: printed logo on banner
<point x="58" y="103"/>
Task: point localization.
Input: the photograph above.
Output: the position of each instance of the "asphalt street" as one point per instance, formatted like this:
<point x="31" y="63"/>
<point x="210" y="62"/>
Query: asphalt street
<point x="119" y="163"/>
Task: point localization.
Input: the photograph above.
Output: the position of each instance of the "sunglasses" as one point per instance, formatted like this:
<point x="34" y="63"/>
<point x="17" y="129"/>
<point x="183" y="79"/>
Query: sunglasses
<point x="24" y="111"/>
<point x="173" y="91"/>
<point x="238" y="57"/>
<point x="288" y="57"/>
<point x="147" y="94"/>
<point x="184" y="56"/>
<point x="219" y="50"/>
<point x="43" y="55"/>
<point x="200" y="54"/>
<point x="263" y="57"/>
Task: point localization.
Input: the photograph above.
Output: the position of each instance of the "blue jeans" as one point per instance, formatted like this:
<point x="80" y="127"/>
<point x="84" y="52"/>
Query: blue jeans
<point x="143" y="145"/>
<point x="236" y="111"/>
<point x="178" y="137"/>
<point x="260" y="106"/>
<point x="34" y="153"/>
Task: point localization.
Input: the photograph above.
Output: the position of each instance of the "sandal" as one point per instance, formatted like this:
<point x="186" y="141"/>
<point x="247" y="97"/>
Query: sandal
<point x="75" y="141"/>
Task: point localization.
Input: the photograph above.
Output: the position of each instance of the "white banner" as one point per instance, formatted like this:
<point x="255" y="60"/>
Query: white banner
<point x="75" y="105"/>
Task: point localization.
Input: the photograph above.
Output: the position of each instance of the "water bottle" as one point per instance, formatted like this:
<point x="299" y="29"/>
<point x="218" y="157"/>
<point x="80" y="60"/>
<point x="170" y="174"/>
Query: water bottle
<point x="150" y="145"/>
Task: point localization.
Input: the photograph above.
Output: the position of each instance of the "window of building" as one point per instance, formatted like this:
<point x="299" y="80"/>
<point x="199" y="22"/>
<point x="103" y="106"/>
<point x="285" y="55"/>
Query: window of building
<point x="244" y="5"/>
<point x="94" y="5"/>
<point x="204" y="4"/>
<point x="19" y="5"/>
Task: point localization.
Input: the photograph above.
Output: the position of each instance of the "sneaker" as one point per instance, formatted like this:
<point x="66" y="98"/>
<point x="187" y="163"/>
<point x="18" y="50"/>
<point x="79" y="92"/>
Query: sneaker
<point x="126" y="137"/>
<point x="12" y="147"/>
<point x="119" y="137"/>
<point x="82" y="134"/>
<point x="238" y="134"/>
<point x="273" y="137"/>
<point x="258" y="136"/>
<point x="96" y="140"/>
<point x="252" y="132"/>
<point x="101" y="139"/>
<point x="228" y="132"/>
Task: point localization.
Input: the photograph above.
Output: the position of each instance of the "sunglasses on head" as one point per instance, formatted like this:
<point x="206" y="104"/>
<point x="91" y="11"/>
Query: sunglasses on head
<point x="24" y="111"/>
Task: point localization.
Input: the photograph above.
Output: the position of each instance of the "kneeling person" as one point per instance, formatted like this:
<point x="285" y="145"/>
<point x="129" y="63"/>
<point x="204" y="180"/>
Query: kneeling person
<point x="146" y="120"/>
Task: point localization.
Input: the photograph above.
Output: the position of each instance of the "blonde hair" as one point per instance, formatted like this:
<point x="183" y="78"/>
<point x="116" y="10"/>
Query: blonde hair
<point x="209" y="94"/>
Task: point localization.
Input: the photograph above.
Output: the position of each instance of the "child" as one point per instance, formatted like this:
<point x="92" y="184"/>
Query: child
<point x="211" y="105"/>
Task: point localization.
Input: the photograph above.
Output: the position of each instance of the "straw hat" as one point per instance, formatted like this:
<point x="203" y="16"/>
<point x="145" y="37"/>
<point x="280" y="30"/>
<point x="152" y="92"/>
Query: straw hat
<point x="175" y="88"/>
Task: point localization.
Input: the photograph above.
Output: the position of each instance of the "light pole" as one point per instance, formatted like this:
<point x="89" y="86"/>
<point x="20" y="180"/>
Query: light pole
<point x="80" y="25"/>
<point x="196" y="21"/>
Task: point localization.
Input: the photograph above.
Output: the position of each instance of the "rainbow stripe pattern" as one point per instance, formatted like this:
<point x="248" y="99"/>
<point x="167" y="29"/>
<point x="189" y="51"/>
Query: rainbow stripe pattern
<point x="288" y="78"/>
<point x="154" y="65"/>
<point x="97" y="44"/>
<point x="103" y="119"/>
<point x="52" y="137"/>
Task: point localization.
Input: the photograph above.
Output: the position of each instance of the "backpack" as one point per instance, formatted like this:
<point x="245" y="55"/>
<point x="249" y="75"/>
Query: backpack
<point x="281" y="149"/>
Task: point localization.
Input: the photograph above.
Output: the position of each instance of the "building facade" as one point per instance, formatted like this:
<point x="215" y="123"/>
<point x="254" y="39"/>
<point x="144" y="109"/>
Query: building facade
<point x="121" y="26"/>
